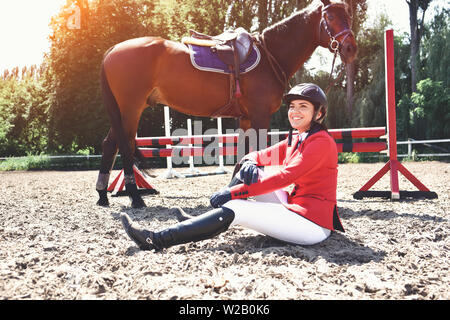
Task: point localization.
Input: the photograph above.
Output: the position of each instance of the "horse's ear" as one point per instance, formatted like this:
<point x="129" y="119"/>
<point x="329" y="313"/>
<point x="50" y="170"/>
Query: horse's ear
<point x="325" y="2"/>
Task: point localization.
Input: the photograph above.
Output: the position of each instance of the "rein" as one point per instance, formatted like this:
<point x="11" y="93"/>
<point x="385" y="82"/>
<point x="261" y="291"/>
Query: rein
<point x="278" y="71"/>
<point x="331" y="83"/>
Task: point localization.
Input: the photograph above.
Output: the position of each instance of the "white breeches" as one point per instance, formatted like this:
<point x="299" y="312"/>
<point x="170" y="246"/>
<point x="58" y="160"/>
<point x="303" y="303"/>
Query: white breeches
<point x="268" y="216"/>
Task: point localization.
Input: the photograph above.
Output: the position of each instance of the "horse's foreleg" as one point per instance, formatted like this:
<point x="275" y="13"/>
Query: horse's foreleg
<point x="259" y="124"/>
<point x="109" y="153"/>
<point x="130" y="124"/>
<point x="244" y="125"/>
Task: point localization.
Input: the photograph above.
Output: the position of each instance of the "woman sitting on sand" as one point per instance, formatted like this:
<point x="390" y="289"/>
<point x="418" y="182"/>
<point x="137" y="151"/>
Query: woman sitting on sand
<point x="305" y="216"/>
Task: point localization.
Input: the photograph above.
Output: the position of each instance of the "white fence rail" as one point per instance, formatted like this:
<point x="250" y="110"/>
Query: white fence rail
<point x="410" y="142"/>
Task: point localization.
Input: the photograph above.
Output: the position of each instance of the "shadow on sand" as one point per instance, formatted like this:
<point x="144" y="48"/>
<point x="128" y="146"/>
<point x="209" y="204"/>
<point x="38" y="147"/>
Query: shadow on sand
<point x="337" y="249"/>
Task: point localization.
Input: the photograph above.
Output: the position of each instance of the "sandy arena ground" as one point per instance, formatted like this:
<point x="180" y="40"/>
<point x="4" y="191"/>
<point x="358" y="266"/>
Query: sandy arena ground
<point x="55" y="243"/>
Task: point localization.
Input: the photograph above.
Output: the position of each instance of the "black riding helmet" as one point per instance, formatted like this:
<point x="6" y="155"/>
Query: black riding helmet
<point x="312" y="93"/>
<point x="309" y="92"/>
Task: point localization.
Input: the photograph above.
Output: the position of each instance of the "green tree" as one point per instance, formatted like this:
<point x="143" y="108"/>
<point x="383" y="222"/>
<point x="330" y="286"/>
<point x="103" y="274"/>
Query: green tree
<point x="418" y="119"/>
<point x="369" y="97"/>
<point x="436" y="48"/>
<point x="174" y="18"/>
<point x="432" y="104"/>
<point x="402" y="52"/>
<point x="416" y="25"/>
<point x="76" y="117"/>
<point x="23" y="112"/>
<point x="357" y="9"/>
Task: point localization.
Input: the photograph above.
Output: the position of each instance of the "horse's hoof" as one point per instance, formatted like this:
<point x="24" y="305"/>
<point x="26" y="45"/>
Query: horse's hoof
<point x="103" y="202"/>
<point x="136" y="200"/>
<point x="138" y="203"/>
<point x="103" y="198"/>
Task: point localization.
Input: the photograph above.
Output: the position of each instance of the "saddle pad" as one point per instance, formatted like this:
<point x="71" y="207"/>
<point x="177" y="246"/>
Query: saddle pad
<point x="203" y="59"/>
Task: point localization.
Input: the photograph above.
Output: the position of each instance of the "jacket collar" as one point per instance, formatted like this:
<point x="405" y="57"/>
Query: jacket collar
<point x="315" y="127"/>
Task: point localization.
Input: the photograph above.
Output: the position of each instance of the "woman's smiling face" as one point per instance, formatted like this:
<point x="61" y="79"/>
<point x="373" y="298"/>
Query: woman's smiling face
<point x="301" y="113"/>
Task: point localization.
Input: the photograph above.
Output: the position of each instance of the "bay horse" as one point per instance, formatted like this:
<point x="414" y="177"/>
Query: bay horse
<point x="142" y="72"/>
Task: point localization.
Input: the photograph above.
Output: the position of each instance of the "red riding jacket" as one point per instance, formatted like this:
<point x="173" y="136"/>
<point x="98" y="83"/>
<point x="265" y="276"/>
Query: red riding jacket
<point x="312" y="167"/>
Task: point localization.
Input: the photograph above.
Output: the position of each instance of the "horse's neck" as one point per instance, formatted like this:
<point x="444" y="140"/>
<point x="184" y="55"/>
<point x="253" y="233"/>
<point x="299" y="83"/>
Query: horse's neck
<point x="294" y="43"/>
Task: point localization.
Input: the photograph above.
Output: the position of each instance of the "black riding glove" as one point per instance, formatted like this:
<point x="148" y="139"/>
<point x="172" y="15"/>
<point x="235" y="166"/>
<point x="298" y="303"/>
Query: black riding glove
<point x="220" y="197"/>
<point x="249" y="172"/>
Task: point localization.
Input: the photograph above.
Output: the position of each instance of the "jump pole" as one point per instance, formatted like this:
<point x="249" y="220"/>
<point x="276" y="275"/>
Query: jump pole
<point x="349" y="133"/>
<point x="393" y="165"/>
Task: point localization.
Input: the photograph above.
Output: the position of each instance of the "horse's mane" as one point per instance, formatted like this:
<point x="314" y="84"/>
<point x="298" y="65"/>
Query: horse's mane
<point x="301" y="17"/>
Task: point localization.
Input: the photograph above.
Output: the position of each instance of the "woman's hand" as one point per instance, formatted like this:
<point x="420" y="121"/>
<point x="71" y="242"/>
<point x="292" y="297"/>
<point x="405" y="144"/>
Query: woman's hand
<point x="220" y="197"/>
<point x="249" y="172"/>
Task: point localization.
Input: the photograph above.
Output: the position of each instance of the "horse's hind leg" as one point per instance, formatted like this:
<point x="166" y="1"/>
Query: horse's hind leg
<point x="109" y="153"/>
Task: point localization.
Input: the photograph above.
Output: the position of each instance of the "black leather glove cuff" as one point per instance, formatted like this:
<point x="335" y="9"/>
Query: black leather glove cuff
<point x="221" y="197"/>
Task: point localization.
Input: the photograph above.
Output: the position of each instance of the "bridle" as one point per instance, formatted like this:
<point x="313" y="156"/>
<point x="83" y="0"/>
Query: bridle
<point x="333" y="43"/>
<point x="334" y="46"/>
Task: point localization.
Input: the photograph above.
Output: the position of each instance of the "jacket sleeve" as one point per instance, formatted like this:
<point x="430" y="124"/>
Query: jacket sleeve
<point x="312" y="157"/>
<point x="271" y="156"/>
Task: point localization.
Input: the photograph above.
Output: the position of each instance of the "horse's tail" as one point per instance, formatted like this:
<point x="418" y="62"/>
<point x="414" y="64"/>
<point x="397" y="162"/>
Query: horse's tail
<point x="112" y="108"/>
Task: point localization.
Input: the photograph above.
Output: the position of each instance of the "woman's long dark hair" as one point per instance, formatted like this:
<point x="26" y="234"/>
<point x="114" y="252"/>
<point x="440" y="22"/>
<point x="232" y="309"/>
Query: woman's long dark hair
<point x="315" y="127"/>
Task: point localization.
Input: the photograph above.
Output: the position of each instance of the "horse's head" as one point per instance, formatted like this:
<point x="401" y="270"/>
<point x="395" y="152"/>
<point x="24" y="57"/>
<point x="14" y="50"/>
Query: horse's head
<point x="334" y="30"/>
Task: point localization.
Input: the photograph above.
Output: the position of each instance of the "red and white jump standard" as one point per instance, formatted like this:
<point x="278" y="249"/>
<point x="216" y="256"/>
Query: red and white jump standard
<point x="393" y="165"/>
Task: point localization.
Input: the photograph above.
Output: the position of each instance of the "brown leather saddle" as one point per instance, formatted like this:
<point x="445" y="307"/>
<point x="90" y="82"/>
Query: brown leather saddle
<point x="232" y="47"/>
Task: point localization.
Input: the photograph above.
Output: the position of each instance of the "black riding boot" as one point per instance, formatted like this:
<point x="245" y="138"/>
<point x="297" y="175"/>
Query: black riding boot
<point x="198" y="228"/>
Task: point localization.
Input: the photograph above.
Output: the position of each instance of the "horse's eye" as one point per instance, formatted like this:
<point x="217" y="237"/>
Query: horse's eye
<point x="330" y="17"/>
